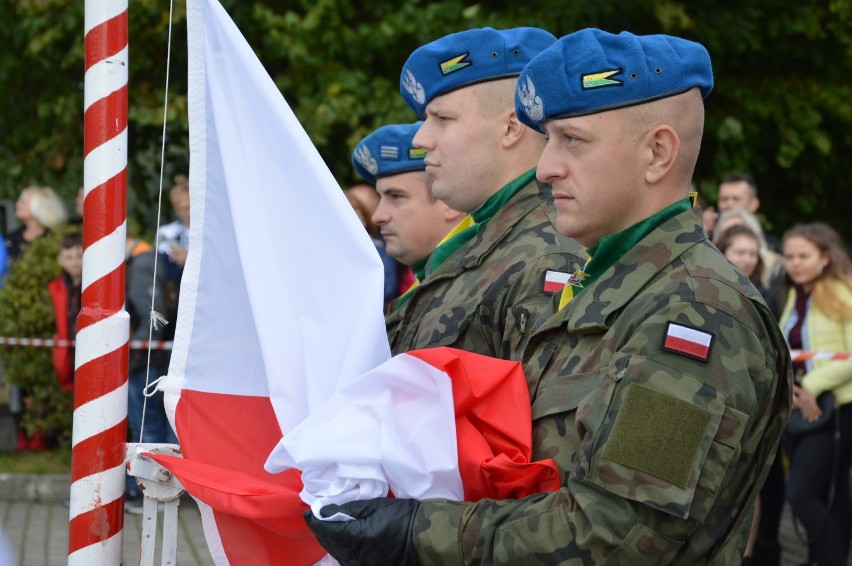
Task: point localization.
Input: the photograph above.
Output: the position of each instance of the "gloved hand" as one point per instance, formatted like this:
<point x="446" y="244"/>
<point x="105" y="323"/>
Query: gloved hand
<point x="380" y="534"/>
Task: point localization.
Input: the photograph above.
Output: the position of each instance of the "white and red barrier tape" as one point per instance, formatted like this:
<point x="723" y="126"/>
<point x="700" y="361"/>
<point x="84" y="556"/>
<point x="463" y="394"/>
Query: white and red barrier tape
<point x="797" y="355"/>
<point x="802" y="356"/>
<point x="50" y="343"/>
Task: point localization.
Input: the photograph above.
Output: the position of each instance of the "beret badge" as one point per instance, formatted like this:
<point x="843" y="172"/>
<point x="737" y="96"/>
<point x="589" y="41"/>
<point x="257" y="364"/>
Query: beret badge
<point x="533" y="105"/>
<point x="363" y="156"/>
<point x="414" y="88"/>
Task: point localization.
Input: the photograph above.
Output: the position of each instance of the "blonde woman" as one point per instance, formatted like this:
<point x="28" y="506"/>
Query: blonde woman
<point x="39" y="210"/>
<point x="818" y="318"/>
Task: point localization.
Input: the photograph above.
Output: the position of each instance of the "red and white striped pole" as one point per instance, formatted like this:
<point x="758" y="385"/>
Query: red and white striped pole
<point x="103" y="327"/>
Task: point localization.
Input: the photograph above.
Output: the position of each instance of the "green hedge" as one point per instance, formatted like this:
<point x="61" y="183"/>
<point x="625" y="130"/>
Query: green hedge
<point x="26" y="312"/>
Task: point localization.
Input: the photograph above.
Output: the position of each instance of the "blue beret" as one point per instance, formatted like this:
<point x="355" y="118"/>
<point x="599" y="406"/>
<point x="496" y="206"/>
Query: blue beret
<point x="465" y="58"/>
<point x="593" y="71"/>
<point x="388" y="151"/>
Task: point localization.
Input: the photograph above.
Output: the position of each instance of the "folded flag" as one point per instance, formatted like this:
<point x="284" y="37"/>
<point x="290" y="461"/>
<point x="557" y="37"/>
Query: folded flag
<point x="426" y="424"/>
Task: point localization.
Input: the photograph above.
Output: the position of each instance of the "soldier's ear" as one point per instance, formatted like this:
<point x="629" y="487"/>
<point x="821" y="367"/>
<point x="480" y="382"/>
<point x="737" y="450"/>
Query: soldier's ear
<point x="513" y="130"/>
<point x="661" y="148"/>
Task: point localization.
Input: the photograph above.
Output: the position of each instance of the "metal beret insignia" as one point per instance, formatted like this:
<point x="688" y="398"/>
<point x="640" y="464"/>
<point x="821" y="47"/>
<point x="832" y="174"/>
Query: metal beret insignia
<point x="414" y="88"/>
<point x="533" y="105"/>
<point x="363" y="156"/>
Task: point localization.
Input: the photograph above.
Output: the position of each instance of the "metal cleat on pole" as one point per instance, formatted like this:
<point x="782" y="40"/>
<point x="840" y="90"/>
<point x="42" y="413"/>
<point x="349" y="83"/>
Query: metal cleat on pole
<point x="158" y="486"/>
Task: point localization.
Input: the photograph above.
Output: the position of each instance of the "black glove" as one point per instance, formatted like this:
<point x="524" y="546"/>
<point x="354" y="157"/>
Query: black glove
<point x="380" y="534"/>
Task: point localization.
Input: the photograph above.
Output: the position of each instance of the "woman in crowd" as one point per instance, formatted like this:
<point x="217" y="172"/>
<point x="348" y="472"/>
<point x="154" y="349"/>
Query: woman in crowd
<point x="773" y="264"/>
<point x="817" y="317"/>
<point x="741" y="246"/>
<point x="39" y="210"/>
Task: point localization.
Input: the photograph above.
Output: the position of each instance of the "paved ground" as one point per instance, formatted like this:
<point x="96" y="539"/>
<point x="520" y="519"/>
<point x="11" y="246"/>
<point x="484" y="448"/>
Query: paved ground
<point x="37" y="530"/>
<point x="38" y="534"/>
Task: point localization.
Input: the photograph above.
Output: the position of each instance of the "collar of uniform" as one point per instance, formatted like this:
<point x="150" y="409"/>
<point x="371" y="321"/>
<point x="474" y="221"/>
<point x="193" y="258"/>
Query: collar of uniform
<point x="419" y="268"/>
<point x="489" y="218"/>
<point x="617" y="285"/>
<point x="613" y="247"/>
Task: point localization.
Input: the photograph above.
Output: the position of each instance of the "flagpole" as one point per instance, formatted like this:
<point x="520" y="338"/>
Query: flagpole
<point x="101" y="356"/>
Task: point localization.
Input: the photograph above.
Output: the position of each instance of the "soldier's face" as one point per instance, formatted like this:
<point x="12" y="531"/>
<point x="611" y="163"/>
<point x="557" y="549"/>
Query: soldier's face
<point x="593" y="163"/>
<point x="461" y="145"/>
<point x="411" y="223"/>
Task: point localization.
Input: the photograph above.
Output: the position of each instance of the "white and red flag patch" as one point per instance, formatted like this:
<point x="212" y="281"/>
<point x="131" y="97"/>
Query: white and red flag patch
<point x="554" y="281"/>
<point x="687" y="341"/>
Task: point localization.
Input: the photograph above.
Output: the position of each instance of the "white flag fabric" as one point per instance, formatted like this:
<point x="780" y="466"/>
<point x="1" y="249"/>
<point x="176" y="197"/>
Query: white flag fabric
<point x="391" y="428"/>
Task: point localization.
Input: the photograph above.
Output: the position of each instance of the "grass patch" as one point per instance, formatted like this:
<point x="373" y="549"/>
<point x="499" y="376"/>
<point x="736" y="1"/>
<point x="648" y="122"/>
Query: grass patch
<point x="56" y="461"/>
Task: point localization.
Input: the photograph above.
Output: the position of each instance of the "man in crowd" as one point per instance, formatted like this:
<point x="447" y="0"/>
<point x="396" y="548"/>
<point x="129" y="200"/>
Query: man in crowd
<point x="174" y="245"/>
<point x="489" y="285"/>
<point x="662" y="385"/>
<point x="411" y="220"/>
<point x="738" y="190"/>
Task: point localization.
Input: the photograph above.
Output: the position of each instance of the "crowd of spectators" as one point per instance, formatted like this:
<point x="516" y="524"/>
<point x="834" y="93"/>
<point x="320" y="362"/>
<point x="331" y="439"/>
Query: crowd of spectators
<point x="41" y="213"/>
<point x="805" y="277"/>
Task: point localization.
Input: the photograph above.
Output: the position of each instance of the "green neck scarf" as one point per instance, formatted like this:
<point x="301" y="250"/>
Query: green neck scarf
<point x="613" y="247"/>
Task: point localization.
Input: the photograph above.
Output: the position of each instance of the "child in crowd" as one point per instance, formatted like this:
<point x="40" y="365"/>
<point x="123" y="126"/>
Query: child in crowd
<point x="65" y="291"/>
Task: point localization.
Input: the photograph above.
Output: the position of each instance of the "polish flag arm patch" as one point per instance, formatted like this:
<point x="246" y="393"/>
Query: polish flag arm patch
<point x="686" y="341"/>
<point x="554" y="281"/>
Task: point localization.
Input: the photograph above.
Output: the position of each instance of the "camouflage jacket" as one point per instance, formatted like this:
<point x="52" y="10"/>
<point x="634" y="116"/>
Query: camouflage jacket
<point x="663" y="444"/>
<point x="392" y="321"/>
<point x="489" y="294"/>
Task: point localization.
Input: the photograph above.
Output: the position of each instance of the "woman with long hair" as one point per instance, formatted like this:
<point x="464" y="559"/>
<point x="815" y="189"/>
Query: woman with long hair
<point x="817" y="317"/>
<point x="773" y="263"/>
<point x="741" y="246"/>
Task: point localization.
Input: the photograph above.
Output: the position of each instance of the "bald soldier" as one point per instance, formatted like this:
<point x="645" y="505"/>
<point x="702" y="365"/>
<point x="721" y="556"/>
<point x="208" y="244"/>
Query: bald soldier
<point x="493" y="281"/>
<point x="662" y="385"/>
<point x="412" y="221"/>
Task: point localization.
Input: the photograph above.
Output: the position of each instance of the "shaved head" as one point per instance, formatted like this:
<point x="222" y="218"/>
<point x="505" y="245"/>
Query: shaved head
<point x="685" y="114"/>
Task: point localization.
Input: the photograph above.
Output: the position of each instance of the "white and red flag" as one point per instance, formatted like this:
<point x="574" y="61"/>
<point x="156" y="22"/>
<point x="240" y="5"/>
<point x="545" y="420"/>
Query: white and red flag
<point x="280" y="334"/>
<point x="688" y="341"/>
<point x="265" y="328"/>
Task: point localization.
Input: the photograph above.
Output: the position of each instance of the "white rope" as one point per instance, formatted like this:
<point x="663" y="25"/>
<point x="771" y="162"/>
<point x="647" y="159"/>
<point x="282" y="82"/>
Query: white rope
<point x="157" y="318"/>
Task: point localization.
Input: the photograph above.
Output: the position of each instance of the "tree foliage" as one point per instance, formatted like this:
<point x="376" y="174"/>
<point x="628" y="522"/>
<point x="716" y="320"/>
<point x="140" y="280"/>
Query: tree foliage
<point x="781" y="109"/>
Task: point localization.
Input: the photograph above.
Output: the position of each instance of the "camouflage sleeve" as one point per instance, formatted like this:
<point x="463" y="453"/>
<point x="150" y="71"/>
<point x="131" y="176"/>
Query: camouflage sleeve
<point x="671" y="451"/>
<point x="524" y="304"/>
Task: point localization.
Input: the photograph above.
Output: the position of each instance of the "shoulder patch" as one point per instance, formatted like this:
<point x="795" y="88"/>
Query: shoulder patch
<point x="687" y="341"/>
<point x="659" y="435"/>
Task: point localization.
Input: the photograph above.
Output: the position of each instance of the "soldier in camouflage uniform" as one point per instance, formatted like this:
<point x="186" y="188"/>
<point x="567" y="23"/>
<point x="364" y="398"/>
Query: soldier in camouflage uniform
<point x="412" y="221"/>
<point x="492" y="281"/>
<point x="662" y="386"/>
